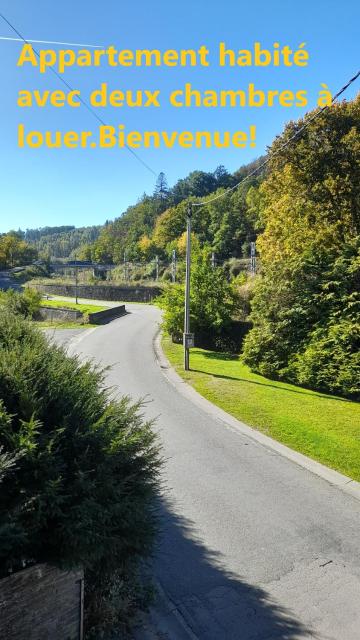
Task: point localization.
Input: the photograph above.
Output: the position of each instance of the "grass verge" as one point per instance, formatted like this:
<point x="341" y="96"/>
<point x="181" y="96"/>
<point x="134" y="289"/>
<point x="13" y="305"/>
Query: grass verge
<point x="323" y="427"/>
<point x="61" y="304"/>
<point x="58" y="324"/>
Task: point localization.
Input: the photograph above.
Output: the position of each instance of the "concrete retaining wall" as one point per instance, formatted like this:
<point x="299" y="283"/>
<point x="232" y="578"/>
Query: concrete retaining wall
<point x="57" y="313"/>
<point x="42" y="603"/>
<point x="72" y="315"/>
<point x="101" y="292"/>
<point x="102" y="317"/>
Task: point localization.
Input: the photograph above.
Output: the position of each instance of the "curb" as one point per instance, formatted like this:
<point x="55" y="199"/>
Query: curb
<point x="163" y="621"/>
<point x="346" y="484"/>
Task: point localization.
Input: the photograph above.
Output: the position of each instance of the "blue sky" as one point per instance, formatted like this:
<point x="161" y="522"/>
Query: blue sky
<point x="52" y="187"/>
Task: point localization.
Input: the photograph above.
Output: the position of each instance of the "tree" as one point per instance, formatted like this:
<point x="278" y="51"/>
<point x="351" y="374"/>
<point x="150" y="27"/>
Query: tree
<point x="224" y="225"/>
<point x="147" y="248"/>
<point x="213" y="300"/>
<point x="161" y="191"/>
<point x="79" y="469"/>
<point x="14" y="251"/>
<point x="222" y="177"/>
<point x="169" y="225"/>
<point x="310" y="207"/>
<point x="25" y="304"/>
<point x="198" y="184"/>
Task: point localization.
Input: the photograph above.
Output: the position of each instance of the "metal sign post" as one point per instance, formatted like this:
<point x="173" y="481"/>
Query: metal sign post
<point x="188" y="338"/>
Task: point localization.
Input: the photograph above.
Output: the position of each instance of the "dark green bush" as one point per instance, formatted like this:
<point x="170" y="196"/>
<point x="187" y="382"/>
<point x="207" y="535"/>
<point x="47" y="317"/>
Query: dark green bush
<point x="306" y="306"/>
<point x="80" y="490"/>
<point x="331" y="360"/>
<point x="26" y="303"/>
<point x="306" y="327"/>
<point x="32" y="271"/>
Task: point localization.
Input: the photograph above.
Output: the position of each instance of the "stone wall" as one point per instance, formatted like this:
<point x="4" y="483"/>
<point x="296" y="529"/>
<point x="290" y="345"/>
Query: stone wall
<point x="42" y="603"/>
<point x="109" y="292"/>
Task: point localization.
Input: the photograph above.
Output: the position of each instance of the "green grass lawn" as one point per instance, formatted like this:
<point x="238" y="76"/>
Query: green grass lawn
<point x="60" y="324"/>
<point x="323" y="427"/>
<point x="61" y="304"/>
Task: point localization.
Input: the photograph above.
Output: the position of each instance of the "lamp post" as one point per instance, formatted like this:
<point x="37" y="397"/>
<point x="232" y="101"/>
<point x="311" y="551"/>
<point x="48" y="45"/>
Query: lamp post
<point x="188" y="338"/>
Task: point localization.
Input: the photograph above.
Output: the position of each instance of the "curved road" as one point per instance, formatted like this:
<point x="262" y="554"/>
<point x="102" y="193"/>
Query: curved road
<point x="253" y="546"/>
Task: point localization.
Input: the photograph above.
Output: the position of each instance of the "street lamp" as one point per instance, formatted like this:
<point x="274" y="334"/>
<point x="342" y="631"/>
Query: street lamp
<point x="188" y="338"/>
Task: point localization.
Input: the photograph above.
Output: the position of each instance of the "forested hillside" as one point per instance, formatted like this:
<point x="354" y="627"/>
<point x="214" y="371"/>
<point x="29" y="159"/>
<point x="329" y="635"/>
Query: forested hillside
<point x="155" y="224"/>
<point x="152" y="226"/>
<point x="306" y="307"/>
<point x="61" y="242"/>
<point x="305" y="212"/>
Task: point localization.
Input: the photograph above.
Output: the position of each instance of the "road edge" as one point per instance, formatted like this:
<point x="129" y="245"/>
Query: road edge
<point x="346" y="484"/>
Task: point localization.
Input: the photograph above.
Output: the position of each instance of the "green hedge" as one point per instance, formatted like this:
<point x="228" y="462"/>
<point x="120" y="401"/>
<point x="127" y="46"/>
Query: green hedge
<point x="78" y="469"/>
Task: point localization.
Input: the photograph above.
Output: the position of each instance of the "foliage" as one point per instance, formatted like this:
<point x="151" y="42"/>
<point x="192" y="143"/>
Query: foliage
<point x="30" y="272"/>
<point x="213" y="300"/>
<point x="161" y="191"/>
<point x="112" y="601"/>
<point x="147" y="228"/>
<point x="24" y="303"/>
<point x="331" y="359"/>
<point x="147" y="248"/>
<point x="14" y="251"/>
<point x="62" y="242"/>
<point x="306" y="305"/>
<point x="155" y="223"/>
<point x="82" y="487"/>
<point x="122" y="235"/>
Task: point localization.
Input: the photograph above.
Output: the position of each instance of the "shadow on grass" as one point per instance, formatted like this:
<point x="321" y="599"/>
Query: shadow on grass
<point x="215" y="603"/>
<point x="216" y="355"/>
<point x="211" y="355"/>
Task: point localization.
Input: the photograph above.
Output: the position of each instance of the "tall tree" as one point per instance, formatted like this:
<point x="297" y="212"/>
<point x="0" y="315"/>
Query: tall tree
<point x="310" y="205"/>
<point x="161" y="191"/>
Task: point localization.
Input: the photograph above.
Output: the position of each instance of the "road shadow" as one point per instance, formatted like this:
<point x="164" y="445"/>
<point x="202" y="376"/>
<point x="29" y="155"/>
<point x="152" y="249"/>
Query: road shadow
<point x="215" y="603"/>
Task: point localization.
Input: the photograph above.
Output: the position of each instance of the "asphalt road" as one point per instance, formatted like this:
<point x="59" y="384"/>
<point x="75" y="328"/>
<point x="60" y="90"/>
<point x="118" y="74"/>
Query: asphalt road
<point x="253" y="546"/>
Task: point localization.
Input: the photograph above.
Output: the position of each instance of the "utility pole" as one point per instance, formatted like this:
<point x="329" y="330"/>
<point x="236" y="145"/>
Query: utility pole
<point x="173" y="266"/>
<point x="188" y="338"/>
<point x="76" y="281"/>
<point x="213" y="261"/>
<point x="157" y="267"/>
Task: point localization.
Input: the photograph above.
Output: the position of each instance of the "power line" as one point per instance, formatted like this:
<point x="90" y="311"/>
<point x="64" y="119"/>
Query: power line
<point x="83" y="102"/>
<point x="285" y="144"/>
<point x="230" y="189"/>
<point x="67" y="44"/>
